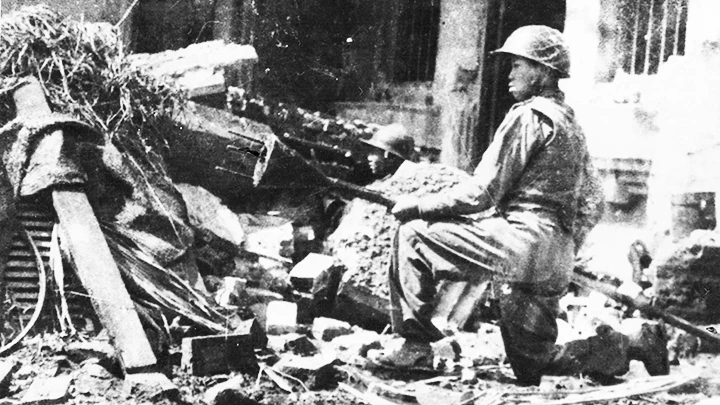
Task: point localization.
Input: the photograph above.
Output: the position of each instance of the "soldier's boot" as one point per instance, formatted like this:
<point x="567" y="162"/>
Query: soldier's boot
<point x="650" y="347"/>
<point x="602" y="356"/>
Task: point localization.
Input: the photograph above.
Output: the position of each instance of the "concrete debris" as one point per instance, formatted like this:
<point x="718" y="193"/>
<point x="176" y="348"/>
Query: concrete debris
<point x="149" y="386"/>
<point x="295" y="343"/>
<point x="253" y="328"/>
<point x="349" y="348"/>
<point x="229" y="392"/>
<point x="7" y="369"/>
<point x="484" y="347"/>
<point x="307" y="310"/>
<point x="207" y="212"/>
<point x="550" y="383"/>
<point x="96" y="349"/>
<point x="48" y="391"/>
<point x="262" y="295"/>
<point x="316" y="371"/>
<point x="318" y="275"/>
<point x="218" y="354"/>
<point x="231" y="292"/>
<point x="281" y="317"/>
<point x="401" y="353"/>
<point x="307" y="273"/>
<point x="92" y="378"/>
<point x="682" y="270"/>
<point x="327" y="329"/>
<point x="445" y="353"/>
<point x="274" y="241"/>
<point x="358" y="305"/>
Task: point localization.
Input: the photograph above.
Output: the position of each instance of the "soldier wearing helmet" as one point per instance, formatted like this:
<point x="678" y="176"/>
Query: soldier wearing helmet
<point x="392" y="147"/>
<point x="518" y="222"/>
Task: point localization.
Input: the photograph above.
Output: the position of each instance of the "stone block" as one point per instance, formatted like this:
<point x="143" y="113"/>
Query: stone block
<point x="253" y="328"/>
<point x="48" y="391"/>
<point x="230" y="292"/>
<point x="318" y="275"/>
<point x="296" y="343"/>
<point x="353" y="348"/>
<point x="229" y="392"/>
<point x="317" y="371"/>
<point x="7" y="369"/>
<point x="149" y="386"/>
<point x="219" y="354"/>
<point x="327" y="329"/>
<point x="358" y="305"/>
<point x="281" y="317"/>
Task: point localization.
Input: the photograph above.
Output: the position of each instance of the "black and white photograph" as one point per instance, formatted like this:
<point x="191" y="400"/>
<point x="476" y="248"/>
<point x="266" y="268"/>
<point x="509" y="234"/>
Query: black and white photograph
<point x="359" y="202"/>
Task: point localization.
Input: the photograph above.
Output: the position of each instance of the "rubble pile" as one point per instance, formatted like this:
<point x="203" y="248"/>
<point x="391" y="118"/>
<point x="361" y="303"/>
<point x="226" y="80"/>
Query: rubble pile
<point x="331" y="143"/>
<point x="363" y="239"/>
<point x="687" y="280"/>
<point x="297" y="122"/>
<point x="236" y="304"/>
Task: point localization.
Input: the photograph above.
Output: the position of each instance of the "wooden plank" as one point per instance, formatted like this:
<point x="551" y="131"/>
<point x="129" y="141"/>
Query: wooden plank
<point x="100" y="275"/>
<point x="86" y="243"/>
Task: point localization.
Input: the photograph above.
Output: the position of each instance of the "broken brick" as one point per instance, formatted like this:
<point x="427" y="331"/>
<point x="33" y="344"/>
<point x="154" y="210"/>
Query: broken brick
<point x="296" y="343"/>
<point x="97" y="349"/>
<point x="219" y="354"/>
<point x="7" y="368"/>
<point x="229" y="392"/>
<point x="318" y="275"/>
<point x="313" y="272"/>
<point x="317" y="371"/>
<point x="48" y="391"/>
<point x="281" y="317"/>
<point x="253" y="328"/>
<point x="353" y="348"/>
<point x="149" y="386"/>
<point x="327" y="329"/>
<point x="230" y="292"/>
<point x="358" y="305"/>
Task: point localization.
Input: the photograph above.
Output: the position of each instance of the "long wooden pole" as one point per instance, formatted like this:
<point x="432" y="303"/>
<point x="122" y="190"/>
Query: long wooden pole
<point x="95" y="265"/>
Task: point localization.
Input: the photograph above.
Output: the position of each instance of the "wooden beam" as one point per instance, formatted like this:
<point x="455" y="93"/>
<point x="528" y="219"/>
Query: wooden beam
<point x="94" y="263"/>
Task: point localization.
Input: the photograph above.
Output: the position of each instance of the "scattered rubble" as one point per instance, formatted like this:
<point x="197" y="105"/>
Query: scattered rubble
<point x="281" y="317"/>
<point x="48" y="391"/>
<point x="217" y="354"/>
<point x="328" y="329"/>
<point x="261" y="281"/>
<point x="686" y="281"/>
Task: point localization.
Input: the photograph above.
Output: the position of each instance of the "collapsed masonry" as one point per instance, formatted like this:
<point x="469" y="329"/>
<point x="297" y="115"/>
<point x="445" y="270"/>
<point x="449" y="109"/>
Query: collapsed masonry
<point x="236" y="260"/>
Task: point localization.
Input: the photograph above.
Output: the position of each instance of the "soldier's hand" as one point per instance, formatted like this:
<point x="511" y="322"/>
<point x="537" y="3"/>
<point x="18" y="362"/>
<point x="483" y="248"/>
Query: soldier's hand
<point x="406" y="208"/>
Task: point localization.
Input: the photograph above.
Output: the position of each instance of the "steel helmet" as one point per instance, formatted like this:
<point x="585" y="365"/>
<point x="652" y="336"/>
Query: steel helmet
<point x="542" y="44"/>
<point x="393" y="138"/>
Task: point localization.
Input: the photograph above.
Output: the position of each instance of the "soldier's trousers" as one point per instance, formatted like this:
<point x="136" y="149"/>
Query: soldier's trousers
<point x="528" y="255"/>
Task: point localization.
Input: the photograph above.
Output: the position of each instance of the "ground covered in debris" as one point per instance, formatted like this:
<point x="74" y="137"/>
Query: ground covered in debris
<point x="93" y="378"/>
<point x="253" y="328"/>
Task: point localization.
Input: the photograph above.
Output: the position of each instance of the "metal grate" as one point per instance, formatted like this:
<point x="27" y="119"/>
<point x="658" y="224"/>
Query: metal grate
<point x="651" y="31"/>
<point x="417" y="41"/>
<point x="21" y="276"/>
